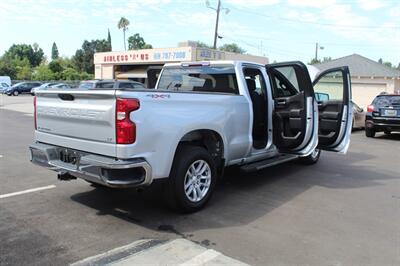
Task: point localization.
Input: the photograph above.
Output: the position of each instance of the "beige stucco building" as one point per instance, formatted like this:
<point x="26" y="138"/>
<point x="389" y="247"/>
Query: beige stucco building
<point x="133" y="64"/>
<point x="368" y="78"/>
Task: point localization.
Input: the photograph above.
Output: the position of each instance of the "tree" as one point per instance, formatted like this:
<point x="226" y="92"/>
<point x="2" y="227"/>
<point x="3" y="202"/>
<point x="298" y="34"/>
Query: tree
<point x="326" y="59"/>
<point x="83" y="58"/>
<point x="34" y="54"/>
<point x="380" y="61"/>
<point x="7" y="67"/>
<point x="233" y="48"/>
<point x="42" y="73"/>
<point x="203" y="45"/>
<point x="398" y="66"/>
<point x="136" y="42"/>
<point x="314" y="61"/>
<point x="388" y="64"/>
<point x="109" y="39"/>
<point x="55" y="66"/>
<point x="54" y="51"/>
<point x="123" y="24"/>
<point x="15" y="68"/>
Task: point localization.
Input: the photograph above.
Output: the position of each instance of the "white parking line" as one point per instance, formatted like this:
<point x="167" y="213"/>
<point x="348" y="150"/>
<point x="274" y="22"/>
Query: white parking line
<point x="26" y="191"/>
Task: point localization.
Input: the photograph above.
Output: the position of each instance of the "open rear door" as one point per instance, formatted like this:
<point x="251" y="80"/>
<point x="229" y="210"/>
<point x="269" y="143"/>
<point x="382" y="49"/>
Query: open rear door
<point x="295" y="111"/>
<point x="332" y="90"/>
<point x="152" y="76"/>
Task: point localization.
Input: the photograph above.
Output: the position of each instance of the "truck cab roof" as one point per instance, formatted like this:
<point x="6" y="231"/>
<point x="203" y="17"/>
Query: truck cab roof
<point x="312" y="70"/>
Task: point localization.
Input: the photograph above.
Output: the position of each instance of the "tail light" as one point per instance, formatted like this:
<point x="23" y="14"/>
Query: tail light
<point x="34" y="112"/>
<point x="125" y="128"/>
<point x="370" y="108"/>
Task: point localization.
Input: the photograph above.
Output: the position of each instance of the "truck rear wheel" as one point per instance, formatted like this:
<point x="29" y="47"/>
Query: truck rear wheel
<point x="192" y="179"/>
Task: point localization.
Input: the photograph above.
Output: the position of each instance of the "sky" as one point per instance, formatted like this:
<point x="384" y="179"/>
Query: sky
<point x="279" y="29"/>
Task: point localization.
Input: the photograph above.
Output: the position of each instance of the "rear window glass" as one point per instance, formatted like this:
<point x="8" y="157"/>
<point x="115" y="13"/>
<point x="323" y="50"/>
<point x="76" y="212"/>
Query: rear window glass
<point x="86" y="85"/>
<point x="104" y="85"/>
<point x="387" y="100"/>
<point x="200" y="79"/>
<point x="130" y="85"/>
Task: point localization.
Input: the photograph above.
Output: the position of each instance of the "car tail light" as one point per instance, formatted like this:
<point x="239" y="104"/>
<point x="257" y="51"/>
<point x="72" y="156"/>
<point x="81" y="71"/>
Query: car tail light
<point x="125" y="128"/>
<point x="370" y="108"/>
<point x="34" y="112"/>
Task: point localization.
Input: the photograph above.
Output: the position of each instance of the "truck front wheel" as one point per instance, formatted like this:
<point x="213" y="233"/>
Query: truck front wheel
<point x="312" y="158"/>
<point x="192" y="179"/>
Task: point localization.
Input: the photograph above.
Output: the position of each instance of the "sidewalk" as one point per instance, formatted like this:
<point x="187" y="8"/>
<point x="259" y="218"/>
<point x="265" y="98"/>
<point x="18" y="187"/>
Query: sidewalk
<point x="159" y="252"/>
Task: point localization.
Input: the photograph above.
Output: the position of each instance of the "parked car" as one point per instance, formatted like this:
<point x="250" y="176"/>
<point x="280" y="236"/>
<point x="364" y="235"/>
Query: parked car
<point x="3" y="87"/>
<point x="383" y="114"/>
<point x="5" y="79"/>
<point x="60" y="86"/>
<point x="200" y="118"/>
<point x="110" y="84"/>
<point x="22" y="87"/>
<point x="358" y="116"/>
<point x="43" y="86"/>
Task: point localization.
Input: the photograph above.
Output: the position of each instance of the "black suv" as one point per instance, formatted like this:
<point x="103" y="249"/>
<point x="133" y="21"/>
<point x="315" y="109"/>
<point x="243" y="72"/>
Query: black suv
<point x="383" y="115"/>
<point x="22" y="87"/>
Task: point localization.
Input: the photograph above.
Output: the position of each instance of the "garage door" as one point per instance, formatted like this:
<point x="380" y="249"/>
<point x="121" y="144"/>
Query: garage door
<point x="363" y="94"/>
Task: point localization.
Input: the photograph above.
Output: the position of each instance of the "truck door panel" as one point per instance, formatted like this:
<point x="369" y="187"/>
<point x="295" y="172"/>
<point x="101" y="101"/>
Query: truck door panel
<point x="293" y="114"/>
<point x="333" y="93"/>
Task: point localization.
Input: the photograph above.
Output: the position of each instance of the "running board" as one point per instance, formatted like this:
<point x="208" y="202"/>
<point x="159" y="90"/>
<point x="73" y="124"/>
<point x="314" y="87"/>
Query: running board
<point x="255" y="166"/>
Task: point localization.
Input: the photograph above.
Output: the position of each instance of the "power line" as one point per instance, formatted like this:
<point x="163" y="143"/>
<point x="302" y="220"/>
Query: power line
<point x="311" y="22"/>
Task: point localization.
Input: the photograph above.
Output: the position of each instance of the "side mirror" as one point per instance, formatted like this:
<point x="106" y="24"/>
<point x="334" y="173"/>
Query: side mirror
<point x="321" y="97"/>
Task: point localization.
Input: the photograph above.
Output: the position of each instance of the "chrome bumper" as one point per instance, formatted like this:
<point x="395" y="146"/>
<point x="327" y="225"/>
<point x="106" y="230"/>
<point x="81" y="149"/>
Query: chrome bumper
<point x="99" y="169"/>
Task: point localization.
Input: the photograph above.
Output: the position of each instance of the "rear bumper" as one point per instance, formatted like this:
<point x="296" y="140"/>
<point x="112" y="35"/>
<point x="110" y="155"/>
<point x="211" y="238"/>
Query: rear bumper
<point x="95" y="168"/>
<point x="381" y="123"/>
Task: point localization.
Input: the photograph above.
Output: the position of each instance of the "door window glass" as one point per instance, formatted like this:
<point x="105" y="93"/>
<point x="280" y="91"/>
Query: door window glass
<point x="286" y="82"/>
<point x="330" y="87"/>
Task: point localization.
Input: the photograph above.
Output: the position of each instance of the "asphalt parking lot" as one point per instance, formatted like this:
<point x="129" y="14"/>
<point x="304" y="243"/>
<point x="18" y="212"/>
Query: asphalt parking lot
<point x="345" y="210"/>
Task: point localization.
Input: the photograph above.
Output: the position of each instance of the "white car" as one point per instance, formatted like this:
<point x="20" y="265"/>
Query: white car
<point x="3" y="87"/>
<point x="60" y="86"/>
<point x="200" y="118"/>
<point x="43" y="86"/>
<point x="5" y="79"/>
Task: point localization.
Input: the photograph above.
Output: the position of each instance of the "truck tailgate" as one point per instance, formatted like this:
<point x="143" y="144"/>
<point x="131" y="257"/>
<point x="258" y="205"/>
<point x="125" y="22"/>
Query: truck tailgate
<point x="77" y="117"/>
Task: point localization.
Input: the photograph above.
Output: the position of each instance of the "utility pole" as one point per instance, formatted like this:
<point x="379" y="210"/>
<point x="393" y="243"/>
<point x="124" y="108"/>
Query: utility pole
<point x="216" y="25"/>
<point x="218" y="10"/>
<point x="317" y="47"/>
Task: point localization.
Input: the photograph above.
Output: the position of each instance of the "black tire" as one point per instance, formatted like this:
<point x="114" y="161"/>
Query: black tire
<point x="96" y="185"/>
<point x="176" y="197"/>
<point x="312" y="158"/>
<point x="370" y="133"/>
<point x="15" y="93"/>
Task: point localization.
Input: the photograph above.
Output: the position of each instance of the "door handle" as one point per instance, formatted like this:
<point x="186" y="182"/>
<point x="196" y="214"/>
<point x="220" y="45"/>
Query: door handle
<point x="281" y="102"/>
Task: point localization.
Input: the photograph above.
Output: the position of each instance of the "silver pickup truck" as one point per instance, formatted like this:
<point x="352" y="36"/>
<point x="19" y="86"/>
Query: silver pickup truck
<point x="200" y="118"/>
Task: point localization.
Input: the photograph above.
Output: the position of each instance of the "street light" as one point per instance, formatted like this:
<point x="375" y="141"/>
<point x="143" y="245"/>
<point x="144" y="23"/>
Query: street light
<point x="318" y="47"/>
